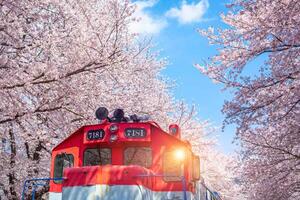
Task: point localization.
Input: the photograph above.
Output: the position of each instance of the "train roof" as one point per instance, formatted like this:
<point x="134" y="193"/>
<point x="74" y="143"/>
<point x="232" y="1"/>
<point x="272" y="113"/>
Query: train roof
<point x="147" y="125"/>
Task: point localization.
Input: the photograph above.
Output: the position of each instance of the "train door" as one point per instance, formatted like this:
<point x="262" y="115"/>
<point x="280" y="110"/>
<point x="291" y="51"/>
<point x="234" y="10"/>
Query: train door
<point x="61" y="159"/>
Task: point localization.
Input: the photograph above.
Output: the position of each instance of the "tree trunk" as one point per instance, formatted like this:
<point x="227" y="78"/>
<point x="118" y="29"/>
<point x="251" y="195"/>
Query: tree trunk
<point x="11" y="174"/>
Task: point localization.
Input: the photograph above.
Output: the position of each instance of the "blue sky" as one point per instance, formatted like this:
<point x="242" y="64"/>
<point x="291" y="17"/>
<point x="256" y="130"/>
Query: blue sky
<point x="173" y="25"/>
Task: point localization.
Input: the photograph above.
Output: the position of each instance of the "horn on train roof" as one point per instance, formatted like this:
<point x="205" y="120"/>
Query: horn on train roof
<point x="102" y="113"/>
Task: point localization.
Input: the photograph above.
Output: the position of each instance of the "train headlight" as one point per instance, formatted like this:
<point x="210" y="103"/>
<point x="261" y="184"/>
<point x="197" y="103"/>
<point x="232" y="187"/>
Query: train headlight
<point x="179" y="154"/>
<point x="113" y="137"/>
<point x="113" y="128"/>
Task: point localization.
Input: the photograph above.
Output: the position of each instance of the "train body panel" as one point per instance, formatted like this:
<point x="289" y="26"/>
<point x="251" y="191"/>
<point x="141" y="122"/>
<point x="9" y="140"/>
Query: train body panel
<point x="117" y="192"/>
<point x="55" y="195"/>
<point x="132" y="192"/>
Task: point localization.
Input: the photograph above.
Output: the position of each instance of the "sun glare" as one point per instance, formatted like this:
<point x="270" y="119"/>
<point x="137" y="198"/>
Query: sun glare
<point x="180" y="154"/>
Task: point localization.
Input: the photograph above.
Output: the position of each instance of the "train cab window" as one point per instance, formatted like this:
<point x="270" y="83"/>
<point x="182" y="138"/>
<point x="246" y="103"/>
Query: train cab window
<point x="97" y="156"/>
<point x="141" y="156"/>
<point x="172" y="167"/>
<point x="61" y="162"/>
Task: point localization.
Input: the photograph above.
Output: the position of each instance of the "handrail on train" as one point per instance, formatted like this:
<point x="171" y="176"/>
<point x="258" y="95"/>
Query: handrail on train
<point x="35" y="182"/>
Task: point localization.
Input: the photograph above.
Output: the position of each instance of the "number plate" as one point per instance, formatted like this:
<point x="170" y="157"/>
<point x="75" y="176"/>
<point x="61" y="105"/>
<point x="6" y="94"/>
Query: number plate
<point x="95" y="134"/>
<point x="135" y="133"/>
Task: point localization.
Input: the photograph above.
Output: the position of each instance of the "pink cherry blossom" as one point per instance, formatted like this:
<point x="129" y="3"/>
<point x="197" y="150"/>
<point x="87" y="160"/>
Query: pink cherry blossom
<point x="265" y="106"/>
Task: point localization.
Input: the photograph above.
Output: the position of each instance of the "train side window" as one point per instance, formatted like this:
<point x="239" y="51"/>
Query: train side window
<point x="172" y="168"/>
<point x="61" y="162"/>
<point x="97" y="156"/>
<point x="141" y="156"/>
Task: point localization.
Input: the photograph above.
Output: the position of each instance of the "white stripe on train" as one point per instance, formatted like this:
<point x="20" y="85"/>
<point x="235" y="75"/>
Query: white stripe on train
<point x="116" y="192"/>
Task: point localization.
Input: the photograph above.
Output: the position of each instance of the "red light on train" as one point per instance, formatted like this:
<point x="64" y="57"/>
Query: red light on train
<point x="174" y="130"/>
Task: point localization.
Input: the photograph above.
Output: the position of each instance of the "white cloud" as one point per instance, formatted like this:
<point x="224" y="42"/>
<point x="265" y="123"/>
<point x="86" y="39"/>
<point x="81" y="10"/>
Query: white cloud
<point x="189" y="13"/>
<point x="145" y="23"/>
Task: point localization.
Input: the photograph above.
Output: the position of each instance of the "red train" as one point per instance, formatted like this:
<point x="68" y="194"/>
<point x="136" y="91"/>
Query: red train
<point x="125" y="158"/>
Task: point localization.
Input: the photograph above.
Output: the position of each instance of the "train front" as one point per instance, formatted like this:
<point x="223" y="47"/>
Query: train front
<point x="123" y="159"/>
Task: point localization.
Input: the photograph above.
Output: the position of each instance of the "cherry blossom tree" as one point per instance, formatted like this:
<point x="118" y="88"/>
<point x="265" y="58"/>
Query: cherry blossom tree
<point x="266" y="105"/>
<point x="59" y="62"/>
